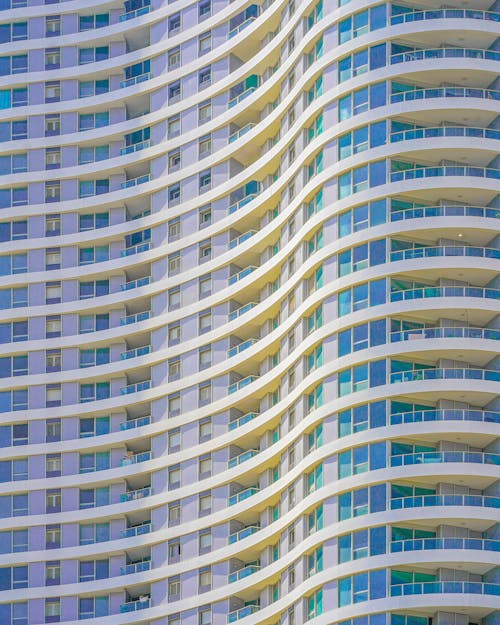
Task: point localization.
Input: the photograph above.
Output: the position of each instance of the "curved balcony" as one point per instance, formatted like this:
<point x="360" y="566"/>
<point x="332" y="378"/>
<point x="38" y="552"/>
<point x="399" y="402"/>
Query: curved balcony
<point x="424" y="544"/>
<point x="444" y="53"/>
<point x="421" y="416"/>
<point x="438" y="14"/>
<point x="242" y="495"/>
<point x="425" y="588"/>
<point x="444" y="170"/>
<point x="445" y="333"/>
<point x="420" y="375"/>
<point x="431" y="501"/>
<point x="444" y="131"/>
<point x="444" y="250"/>
<point x="432" y="457"/>
<point x="444" y="291"/>
<point x="425" y="212"/>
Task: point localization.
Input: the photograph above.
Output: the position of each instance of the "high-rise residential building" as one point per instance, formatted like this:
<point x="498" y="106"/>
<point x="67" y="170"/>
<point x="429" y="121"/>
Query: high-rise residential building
<point x="249" y="312"/>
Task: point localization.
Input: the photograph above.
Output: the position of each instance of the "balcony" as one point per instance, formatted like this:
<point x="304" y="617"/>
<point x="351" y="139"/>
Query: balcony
<point x="444" y="53"/>
<point x="242" y="420"/>
<point x="444" y="131"/>
<point x="135" y="458"/>
<point x="133" y="182"/>
<point x="135" y="80"/>
<point x="139" y="604"/>
<point x="444" y="170"/>
<point x="135" y="567"/>
<point x="242" y="495"/>
<point x="132" y="495"/>
<point x="243" y="457"/>
<point x="435" y="457"/>
<point x="134" y="353"/>
<point x="135" y="147"/>
<point x="423" y="544"/>
<point x="135" y="423"/>
<point x="239" y="98"/>
<point x="419" y="416"/>
<point x="438" y="14"/>
<point x="131" y="14"/>
<point x="136" y="530"/>
<point x="463" y="588"/>
<point x="244" y="533"/>
<point x="445" y="333"/>
<point x="136" y="249"/>
<point x="445" y="92"/>
<point x="241" y="239"/>
<point x="445" y="250"/>
<point x="249" y="609"/>
<point x="234" y="31"/>
<point x="134" y="284"/>
<point x="242" y="310"/>
<point x="241" y="347"/>
<point x="445" y="211"/>
<point x="419" y="375"/>
<point x="237" y="205"/>
<point x="140" y="316"/>
<point x="242" y="274"/>
<point x="239" y="133"/>
<point x="427" y="501"/>
<point x="445" y="291"/>
<point x="247" y="570"/>
<point x="137" y="387"/>
<point x="242" y="383"/>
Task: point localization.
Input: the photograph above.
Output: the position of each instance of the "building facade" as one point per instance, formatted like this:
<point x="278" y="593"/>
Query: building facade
<point x="249" y="312"/>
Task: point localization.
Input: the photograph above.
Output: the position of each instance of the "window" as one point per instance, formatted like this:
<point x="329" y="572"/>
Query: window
<point x="89" y="121"/>
<point x="52" y="91"/>
<point x="93" y="607"/>
<point x="174" y="551"/>
<point x="205" y="616"/>
<point x="174" y="369"/>
<point x="174" y="160"/>
<point x="174" y="126"/>
<point x="361" y="418"/>
<point x="204" y="541"/>
<point x="204" y="393"/>
<point x="174" y="333"/>
<point x="92" y="55"/>
<point x="52" y="429"/>
<point x="52" y="258"/>
<point x="362" y="544"/>
<point x="52" y="125"/>
<point x="205" y="429"/>
<point x="94" y="533"/>
<point x="174" y="405"/>
<point x="15" y="64"/>
<point x="315" y="604"/>
<point x="52" y="158"/>
<point x="204" y="287"/>
<point x="93" y="323"/>
<point x="89" y="88"/>
<point x="204" y="8"/>
<point x="52" y="610"/>
<point x="174" y="92"/>
<point x="205" y="77"/>
<point x="95" y="288"/>
<point x="205" y="466"/>
<point x="91" y="570"/>
<point x="204" y="580"/>
<point x="174" y="263"/>
<point x="98" y="254"/>
<point x="362" y="587"/>
<point x="53" y="500"/>
<point x="174" y="587"/>
<point x="174" y="477"/>
<point x="52" y="573"/>
<point x="52" y="26"/>
<point x="86" y="188"/>
<point x="204" y="112"/>
<point x="205" y="251"/>
<point x="53" y="395"/>
<point x="174" y="194"/>
<point x="174" y="57"/>
<point x="174" y="229"/>
<point x="92" y="497"/>
<point x="52" y="465"/>
<point x="89" y="22"/>
<point x="204" y="43"/>
<point x="53" y="191"/>
<point x="174" y="23"/>
<point x="93" y="221"/>
<point x="362" y="336"/>
<point x="204" y="322"/>
<point x="94" y="391"/>
<point x="174" y="513"/>
<point x="94" y="426"/>
<point x="52" y="58"/>
<point x="361" y="296"/>
<point x="204" y="504"/>
<point x="205" y="146"/>
<point x="205" y="181"/>
<point x="52" y="536"/>
<point x="174" y="298"/>
<point x="52" y="326"/>
<point x="205" y="216"/>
